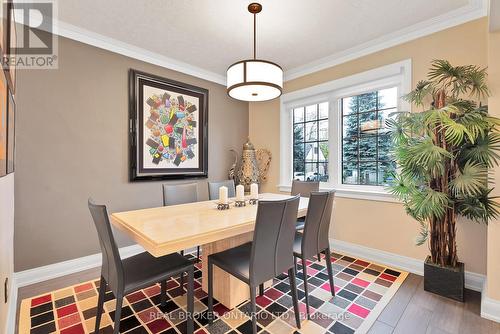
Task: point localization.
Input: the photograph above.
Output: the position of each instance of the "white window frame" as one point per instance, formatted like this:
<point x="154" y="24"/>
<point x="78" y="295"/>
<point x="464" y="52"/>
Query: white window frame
<point x="393" y="75"/>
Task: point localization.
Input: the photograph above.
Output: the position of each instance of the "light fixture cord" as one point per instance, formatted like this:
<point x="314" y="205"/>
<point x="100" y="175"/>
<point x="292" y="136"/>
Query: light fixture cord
<point x="254" y="36"/>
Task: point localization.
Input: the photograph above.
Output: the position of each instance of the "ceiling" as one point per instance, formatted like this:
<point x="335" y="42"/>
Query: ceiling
<point x="301" y="36"/>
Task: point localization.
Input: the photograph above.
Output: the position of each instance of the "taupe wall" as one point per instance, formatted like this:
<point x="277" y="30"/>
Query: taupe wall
<point x="382" y="225"/>
<point x="72" y="143"/>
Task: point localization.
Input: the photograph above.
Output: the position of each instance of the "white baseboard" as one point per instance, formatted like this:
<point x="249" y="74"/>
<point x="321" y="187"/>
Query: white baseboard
<point x="11" y="308"/>
<point x="40" y="274"/>
<point x="490" y="308"/>
<point x="473" y="281"/>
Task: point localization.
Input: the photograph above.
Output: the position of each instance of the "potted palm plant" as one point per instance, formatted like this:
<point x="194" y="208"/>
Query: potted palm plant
<point x="443" y="154"/>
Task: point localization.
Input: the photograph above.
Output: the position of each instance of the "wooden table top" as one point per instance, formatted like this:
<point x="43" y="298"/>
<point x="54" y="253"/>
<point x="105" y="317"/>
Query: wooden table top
<point x="168" y="229"/>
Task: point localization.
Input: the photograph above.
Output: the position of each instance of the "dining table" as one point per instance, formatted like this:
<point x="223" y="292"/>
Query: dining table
<point x="169" y="229"/>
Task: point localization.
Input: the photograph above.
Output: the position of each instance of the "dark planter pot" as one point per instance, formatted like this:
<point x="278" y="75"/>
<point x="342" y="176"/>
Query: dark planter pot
<point x="444" y="281"/>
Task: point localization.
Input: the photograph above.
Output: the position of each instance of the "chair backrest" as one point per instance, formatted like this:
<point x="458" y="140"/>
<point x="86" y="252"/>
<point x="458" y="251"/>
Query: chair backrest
<point x="274" y="234"/>
<point x="304" y="188"/>
<point x="112" y="269"/>
<point x="174" y="194"/>
<point x="317" y="225"/>
<point x="213" y="189"/>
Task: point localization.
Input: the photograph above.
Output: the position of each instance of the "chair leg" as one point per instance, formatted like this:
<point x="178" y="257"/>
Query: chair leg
<point x="253" y="309"/>
<point x="210" y="292"/>
<point x="319" y="257"/>
<point x="295" y="299"/>
<point x="100" y="303"/>
<point x="330" y="270"/>
<point x="261" y="289"/>
<point x="181" y="284"/>
<point x="190" y="302"/>
<point x="182" y="278"/>
<point x="163" y="293"/>
<point x="118" y="313"/>
<point x="295" y="265"/>
<point x="198" y="254"/>
<point x="306" y="288"/>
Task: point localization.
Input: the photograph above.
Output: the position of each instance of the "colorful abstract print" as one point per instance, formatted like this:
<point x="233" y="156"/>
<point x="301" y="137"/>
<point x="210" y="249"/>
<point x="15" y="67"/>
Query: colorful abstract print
<point x="172" y="129"/>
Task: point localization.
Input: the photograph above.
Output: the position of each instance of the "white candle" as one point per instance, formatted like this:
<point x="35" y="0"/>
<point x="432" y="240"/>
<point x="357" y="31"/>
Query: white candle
<point x="223" y="195"/>
<point x="240" y="193"/>
<point x="254" y="191"/>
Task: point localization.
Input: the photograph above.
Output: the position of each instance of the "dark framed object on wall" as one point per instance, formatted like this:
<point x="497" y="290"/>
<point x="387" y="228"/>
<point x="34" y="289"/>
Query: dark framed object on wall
<point x="9" y="43"/>
<point x="11" y="132"/>
<point x="168" y="128"/>
<point x="3" y="124"/>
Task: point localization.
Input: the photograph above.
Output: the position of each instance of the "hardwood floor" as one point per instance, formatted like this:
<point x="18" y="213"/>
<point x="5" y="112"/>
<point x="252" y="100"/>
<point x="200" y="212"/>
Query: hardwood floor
<point x="410" y="311"/>
<point x="413" y="310"/>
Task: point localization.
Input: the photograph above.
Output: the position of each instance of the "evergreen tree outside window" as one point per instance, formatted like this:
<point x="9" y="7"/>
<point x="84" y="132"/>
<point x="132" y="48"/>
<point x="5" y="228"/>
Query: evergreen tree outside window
<point x="310" y="143"/>
<point x="365" y="143"/>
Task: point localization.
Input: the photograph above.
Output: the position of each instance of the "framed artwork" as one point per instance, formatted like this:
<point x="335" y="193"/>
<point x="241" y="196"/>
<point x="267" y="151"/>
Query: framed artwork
<point x="11" y="44"/>
<point x="2" y="28"/>
<point x="11" y="132"/>
<point x="168" y="128"/>
<point x="3" y="125"/>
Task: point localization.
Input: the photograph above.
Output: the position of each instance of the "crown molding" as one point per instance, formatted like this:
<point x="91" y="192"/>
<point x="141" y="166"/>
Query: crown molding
<point x="474" y="10"/>
<point x="110" y="44"/>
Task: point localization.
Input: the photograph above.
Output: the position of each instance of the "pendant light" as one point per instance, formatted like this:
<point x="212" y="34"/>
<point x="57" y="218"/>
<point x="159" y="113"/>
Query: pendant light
<point x="254" y="79"/>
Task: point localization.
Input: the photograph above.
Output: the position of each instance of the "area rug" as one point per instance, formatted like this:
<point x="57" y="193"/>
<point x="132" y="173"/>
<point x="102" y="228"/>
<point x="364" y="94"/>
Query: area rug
<point x="362" y="289"/>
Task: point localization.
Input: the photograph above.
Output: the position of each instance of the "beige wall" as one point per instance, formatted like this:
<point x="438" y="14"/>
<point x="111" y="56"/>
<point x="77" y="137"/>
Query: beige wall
<point x="494" y="108"/>
<point x="383" y="225"/>
<point x="72" y="143"/>
<point x="6" y="241"/>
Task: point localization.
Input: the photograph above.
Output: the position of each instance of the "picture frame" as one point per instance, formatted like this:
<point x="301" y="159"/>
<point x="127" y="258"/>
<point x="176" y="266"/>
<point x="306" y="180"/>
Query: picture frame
<point x="3" y="24"/>
<point x="11" y="44"/>
<point x="11" y="132"/>
<point x="3" y="125"/>
<point x="168" y="128"/>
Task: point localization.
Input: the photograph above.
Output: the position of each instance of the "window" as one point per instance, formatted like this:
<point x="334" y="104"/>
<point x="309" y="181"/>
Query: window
<point x="335" y="132"/>
<point x="310" y="142"/>
<point x="365" y="143"/>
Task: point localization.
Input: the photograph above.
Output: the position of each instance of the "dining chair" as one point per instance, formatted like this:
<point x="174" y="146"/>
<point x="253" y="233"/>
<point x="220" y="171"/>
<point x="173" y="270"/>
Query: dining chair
<point x="124" y="276"/>
<point x="267" y="256"/>
<point x="314" y="240"/>
<point x="213" y="189"/>
<point x="174" y="194"/>
<point x="303" y="188"/>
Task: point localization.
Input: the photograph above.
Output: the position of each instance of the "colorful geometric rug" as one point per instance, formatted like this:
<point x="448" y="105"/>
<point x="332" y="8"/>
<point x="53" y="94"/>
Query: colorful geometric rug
<point x="362" y="289"/>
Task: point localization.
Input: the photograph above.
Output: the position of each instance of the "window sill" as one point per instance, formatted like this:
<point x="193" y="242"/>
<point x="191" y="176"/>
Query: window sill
<point x="371" y="195"/>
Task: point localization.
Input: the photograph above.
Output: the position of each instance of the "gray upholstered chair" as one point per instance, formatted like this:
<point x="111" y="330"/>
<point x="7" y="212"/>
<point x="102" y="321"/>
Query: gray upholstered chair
<point x="124" y="276"/>
<point x="213" y="189"/>
<point x="269" y="255"/>
<point x="303" y="188"/>
<point x="174" y="194"/>
<point x="314" y="239"/>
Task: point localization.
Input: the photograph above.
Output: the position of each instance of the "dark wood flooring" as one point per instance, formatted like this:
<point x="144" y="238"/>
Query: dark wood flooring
<point x="410" y="311"/>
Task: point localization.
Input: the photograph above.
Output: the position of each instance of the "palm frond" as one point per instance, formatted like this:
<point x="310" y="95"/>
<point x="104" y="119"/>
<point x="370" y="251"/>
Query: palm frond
<point x="429" y="203"/>
<point x="480" y="208"/>
<point x="483" y="151"/>
<point x="423" y="235"/>
<point x="426" y="155"/>
<point x="471" y="180"/>
<point x="423" y="90"/>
